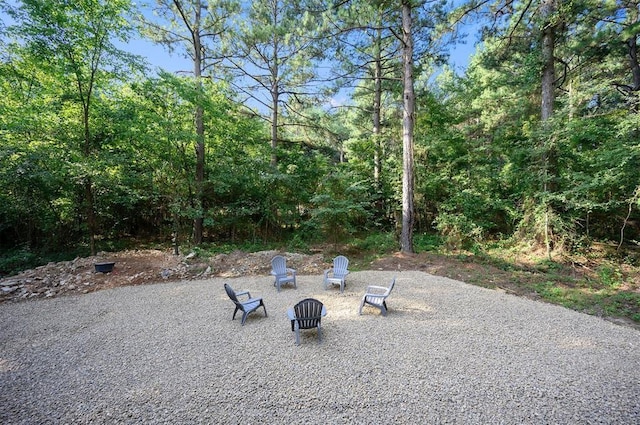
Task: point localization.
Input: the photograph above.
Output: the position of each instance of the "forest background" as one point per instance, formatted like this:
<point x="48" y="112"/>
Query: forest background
<point x="535" y="147"/>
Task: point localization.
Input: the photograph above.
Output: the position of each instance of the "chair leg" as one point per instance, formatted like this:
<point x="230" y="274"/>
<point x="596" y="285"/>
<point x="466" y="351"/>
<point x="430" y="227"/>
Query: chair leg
<point x="319" y="333"/>
<point x="244" y="317"/>
<point x="297" y="331"/>
<point x="265" y="309"/>
<point x="361" y="305"/>
<point x="234" y="313"/>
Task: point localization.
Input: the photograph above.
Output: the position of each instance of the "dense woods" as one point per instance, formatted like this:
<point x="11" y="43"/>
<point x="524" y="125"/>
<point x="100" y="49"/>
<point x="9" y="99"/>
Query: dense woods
<point x="319" y="120"/>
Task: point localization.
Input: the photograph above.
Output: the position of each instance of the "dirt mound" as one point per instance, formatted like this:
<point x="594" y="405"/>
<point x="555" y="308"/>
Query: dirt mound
<point x="142" y="267"/>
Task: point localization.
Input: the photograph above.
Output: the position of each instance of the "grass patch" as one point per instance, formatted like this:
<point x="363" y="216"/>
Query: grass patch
<point x="596" y="283"/>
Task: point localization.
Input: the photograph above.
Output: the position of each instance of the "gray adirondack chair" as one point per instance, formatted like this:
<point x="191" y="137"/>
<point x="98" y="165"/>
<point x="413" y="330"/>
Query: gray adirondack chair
<point x="338" y="273"/>
<point x="281" y="272"/>
<point x="247" y="306"/>
<point x="307" y="314"/>
<point x="376" y="296"/>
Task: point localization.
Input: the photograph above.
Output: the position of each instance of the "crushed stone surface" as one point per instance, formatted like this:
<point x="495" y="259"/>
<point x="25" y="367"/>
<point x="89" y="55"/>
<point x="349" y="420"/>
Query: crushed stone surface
<point x="446" y="353"/>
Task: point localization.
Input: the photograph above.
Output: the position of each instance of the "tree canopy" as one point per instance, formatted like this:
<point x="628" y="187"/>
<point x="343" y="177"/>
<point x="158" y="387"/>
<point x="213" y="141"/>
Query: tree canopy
<point x="295" y="121"/>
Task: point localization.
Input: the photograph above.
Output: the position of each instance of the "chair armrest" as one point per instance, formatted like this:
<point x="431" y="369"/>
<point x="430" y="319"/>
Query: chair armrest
<point x="243" y="293"/>
<point x="374" y="287"/>
<point x="291" y="314"/>
<point x="291" y="270"/>
<point x="326" y="272"/>
<point x="374" y="290"/>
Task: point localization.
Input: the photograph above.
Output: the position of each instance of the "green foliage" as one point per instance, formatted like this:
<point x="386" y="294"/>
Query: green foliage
<point x="486" y="167"/>
<point x="458" y="231"/>
<point x="551" y="292"/>
<point x="376" y="242"/>
<point x="610" y="276"/>
<point x="338" y="207"/>
<point x="427" y="242"/>
<point x="622" y="304"/>
<point x="14" y="261"/>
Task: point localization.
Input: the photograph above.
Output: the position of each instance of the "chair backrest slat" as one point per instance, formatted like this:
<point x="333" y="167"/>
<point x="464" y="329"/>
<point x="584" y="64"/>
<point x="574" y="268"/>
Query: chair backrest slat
<point x="231" y="293"/>
<point x="308" y="313"/>
<point x="279" y="264"/>
<point x="393" y="282"/>
<point x="340" y="263"/>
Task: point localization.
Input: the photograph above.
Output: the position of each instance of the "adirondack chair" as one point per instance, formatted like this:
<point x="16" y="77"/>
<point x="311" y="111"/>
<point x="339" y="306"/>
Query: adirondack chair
<point x="281" y="272"/>
<point x="248" y="306"/>
<point x="338" y="273"/>
<point x="376" y="296"/>
<point x="307" y="314"/>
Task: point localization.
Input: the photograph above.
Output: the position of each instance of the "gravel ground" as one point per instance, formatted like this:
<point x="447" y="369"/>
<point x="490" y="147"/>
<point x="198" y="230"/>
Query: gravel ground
<point x="446" y="353"/>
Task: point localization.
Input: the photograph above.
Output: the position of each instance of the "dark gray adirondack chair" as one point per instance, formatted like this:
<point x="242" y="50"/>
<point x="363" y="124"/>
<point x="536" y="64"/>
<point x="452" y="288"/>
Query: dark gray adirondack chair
<point x="248" y="306"/>
<point x="376" y="296"/>
<point x="307" y="315"/>
<point x="338" y="273"/>
<point x="281" y="272"/>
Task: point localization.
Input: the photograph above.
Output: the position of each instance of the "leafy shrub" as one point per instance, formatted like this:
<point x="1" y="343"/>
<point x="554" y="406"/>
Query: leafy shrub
<point x="426" y="242"/>
<point x="458" y="231"/>
<point x="15" y="261"/>
<point x="377" y="242"/>
<point x="610" y="276"/>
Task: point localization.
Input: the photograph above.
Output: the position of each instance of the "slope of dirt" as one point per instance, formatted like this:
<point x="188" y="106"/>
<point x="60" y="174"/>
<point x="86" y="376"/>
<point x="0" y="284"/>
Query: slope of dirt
<point x="140" y="268"/>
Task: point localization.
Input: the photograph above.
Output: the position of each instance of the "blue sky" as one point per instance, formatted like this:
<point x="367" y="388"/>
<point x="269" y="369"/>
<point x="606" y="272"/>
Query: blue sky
<point x="158" y="56"/>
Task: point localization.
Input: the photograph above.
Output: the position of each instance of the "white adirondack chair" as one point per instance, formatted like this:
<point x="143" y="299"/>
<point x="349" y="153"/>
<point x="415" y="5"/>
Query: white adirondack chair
<point x="281" y="272"/>
<point x="338" y="273"/>
<point x="376" y="296"/>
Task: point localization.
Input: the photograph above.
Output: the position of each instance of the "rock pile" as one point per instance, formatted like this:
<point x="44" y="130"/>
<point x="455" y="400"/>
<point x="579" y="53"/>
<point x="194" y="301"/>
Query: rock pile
<point x="143" y="267"/>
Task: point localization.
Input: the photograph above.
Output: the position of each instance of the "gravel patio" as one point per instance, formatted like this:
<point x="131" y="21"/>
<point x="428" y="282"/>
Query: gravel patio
<point x="447" y="353"/>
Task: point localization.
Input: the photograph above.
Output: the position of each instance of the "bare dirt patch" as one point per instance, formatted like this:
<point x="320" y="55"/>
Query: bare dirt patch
<point x="141" y="267"/>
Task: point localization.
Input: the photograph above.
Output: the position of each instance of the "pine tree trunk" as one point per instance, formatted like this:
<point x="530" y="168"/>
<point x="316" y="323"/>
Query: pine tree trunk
<point x="377" y="118"/>
<point x="547" y="101"/>
<point x="275" y="91"/>
<point x="406" y="238"/>
<point x="198" y="222"/>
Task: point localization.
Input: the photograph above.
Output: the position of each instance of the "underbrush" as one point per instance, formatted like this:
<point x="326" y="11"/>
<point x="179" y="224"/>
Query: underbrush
<point x="599" y="280"/>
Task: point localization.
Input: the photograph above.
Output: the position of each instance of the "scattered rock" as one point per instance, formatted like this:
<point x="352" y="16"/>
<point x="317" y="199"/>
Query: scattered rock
<point x="138" y="267"/>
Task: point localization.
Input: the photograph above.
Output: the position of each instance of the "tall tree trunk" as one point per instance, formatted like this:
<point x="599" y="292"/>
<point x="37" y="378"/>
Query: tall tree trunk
<point x="546" y="113"/>
<point x="406" y="238"/>
<point x="92" y="225"/>
<point x="274" y="123"/>
<point x="198" y="222"/>
<point x="377" y="125"/>
<point x="91" y="215"/>
<point x="377" y="100"/>
<point x="548" y="65"/>
<point x="275" y="91"/>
